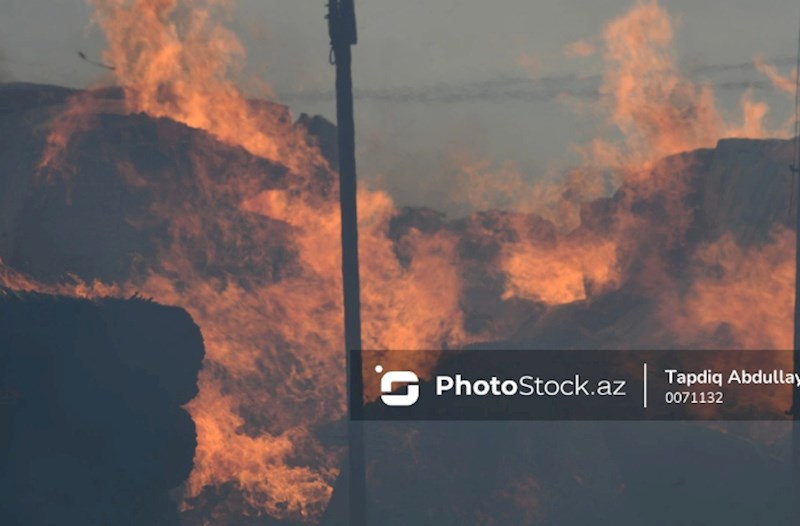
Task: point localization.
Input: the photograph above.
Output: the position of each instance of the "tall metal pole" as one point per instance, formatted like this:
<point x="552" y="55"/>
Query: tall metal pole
<point x="342" y="29"/>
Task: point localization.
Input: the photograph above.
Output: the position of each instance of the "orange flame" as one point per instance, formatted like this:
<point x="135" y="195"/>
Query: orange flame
<point x="174" y="57"/>
<point x="748" y="291"/>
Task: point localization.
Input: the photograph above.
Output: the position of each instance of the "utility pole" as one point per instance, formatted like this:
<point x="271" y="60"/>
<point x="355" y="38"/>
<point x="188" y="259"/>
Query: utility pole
<point x="342" y="30"/>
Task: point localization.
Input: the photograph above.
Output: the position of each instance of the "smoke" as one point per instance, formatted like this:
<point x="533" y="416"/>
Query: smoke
<point x="5" y="76"/>
<point x="543" y="88"/>
<point x="579" y="48"/>
<point x="749" y="293"/>
<point x="175" y="59"/>
<point x="272" y="327"/>
<point x="652" y="111"/>
<point x="531" y="64"/>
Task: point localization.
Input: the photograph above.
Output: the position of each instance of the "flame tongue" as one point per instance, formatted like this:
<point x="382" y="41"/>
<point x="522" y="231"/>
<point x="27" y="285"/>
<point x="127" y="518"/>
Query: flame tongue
<point x="174" y="58"/>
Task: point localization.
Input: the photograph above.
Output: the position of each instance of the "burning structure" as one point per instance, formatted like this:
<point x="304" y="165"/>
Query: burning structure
<point x="176" y="186"/>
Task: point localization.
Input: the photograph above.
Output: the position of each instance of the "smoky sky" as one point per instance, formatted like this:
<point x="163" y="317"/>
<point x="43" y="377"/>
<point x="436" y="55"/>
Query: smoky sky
<point x="5" y="76"/>
<point x="535" y="89"/>
<point x="434" y="77"/>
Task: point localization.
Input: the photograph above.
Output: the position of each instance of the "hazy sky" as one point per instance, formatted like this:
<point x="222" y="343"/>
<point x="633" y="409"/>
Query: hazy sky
<point x="438" y="78"/>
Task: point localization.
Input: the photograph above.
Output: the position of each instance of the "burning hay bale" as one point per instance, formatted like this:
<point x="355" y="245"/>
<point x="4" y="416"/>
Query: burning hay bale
<point x="92" y="428"/>
<point x="248" y="245"/>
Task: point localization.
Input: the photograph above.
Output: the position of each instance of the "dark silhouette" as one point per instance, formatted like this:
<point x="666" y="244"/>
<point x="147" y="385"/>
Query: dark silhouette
<point x="342" y="29"/>
<point x="95" y="63"/>
<point x="92" y="428"/>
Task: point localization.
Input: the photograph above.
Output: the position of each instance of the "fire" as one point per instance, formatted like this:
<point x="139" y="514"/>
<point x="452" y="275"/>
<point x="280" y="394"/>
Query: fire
<point x="271" y="315"/>
<point x="274" y="361"/>
<point x="786" y="84"/>
<point x="285" y="334"/>
<point x="657" y="110"/>
<point x="658" y="113"/>
<point x="76" y="117"/>
<point x="12" y="279"/>
<point x="175" y="57"/>
<point x="562" y="273"/>
<point x="744" y="291"/>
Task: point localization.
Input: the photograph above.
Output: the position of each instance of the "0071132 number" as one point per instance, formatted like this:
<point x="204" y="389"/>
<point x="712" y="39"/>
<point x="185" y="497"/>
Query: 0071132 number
<point x="693" y="397"/>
